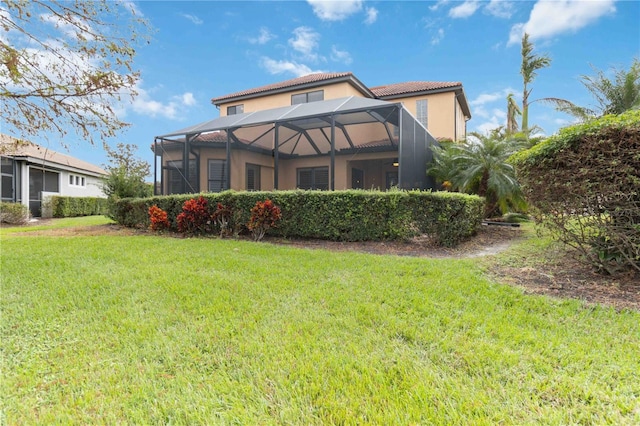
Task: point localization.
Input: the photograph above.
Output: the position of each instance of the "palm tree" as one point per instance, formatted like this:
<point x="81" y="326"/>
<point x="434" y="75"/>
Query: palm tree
<point x="614" y="96"/>
<point x="530" y="64"/>
<point x="512" y="112"/>
<point x="479" y="166"/>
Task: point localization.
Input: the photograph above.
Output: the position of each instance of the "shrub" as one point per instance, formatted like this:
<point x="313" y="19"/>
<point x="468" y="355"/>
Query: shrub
<point x="222" y="217"/>
<point x="14" y="213"/>
<point x="76" y="206"/>
<point x="195" y="218"/>
<point x="264" y="216"/>
<point x="584" y="184"/>
<point x="158" y="218"/>
<point x="351" y="215"/>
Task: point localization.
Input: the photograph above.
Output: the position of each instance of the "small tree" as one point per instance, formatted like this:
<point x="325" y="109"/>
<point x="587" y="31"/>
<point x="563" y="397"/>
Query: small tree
<point x="65" y="64"/>
<point x="126" y="174"/>
<point x="479" y="166"/>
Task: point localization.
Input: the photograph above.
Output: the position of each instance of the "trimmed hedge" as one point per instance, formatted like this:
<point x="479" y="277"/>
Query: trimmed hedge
<point x="77" y="206"/>
<point x="584" y="186"/>
<point x="14" y="213"/>
<point x="351" y="215"/>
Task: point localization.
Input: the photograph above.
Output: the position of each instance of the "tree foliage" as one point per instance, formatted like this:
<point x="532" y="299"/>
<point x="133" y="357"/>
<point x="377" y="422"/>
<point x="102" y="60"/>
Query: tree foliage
<point x="531" y="63"/>
<point x="613" y="95"/>
<point x="126" y="174"/>
<point x="584" y="186"/>
<point x="64" y="65"/>
<point x="479" y="166"/>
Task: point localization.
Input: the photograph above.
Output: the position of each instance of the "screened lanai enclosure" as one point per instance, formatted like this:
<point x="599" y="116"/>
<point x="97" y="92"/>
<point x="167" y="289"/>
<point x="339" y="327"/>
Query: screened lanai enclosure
<point x="342" y="143"/>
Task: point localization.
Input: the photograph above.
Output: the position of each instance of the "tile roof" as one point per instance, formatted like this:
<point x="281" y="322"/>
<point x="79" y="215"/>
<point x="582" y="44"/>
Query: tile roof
<point x="307" y="79"/>
<point x="411" y="87"/>
<point x="10" y="146"/>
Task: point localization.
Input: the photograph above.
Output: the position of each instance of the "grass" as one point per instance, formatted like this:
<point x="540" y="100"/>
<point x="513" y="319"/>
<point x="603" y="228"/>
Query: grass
<point x="153" y="330"/>
<point x="66" y="222"/>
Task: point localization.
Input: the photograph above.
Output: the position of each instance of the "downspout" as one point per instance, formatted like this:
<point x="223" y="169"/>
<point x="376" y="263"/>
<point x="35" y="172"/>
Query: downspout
<point x="185" y="164"/>
<point x="333" y="153"/>
<point x="155" y="166"/>
<point x="400" y="145"/>
<point x="275" y="156"/>
<point x="228" y="169"/>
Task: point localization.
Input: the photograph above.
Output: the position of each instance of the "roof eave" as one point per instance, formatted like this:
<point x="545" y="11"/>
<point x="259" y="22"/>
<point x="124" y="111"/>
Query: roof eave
<point x="310" y="85"/>
<point x="457" y="89"/>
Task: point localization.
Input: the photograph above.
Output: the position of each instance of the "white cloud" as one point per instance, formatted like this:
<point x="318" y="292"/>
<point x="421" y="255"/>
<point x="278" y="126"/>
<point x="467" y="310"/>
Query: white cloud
<point x="188" y="99"/>
<point x="550" y="18"/>
<point x="340" y="56"/>
<point x="438" y="4"/>
<point x="279" y="67"/>
<point x="144" y="104"/>
<point x="372" y="15"/>
<point x="465" y="9"/>
<point x="437" y="38"/>
<point x="500" y="8"/>
<point x="305" y="41"/>
<point x="491" y="108"/>
<point x="192" y="18"/>
<point x="263" y="37"/>
<point x="132" y="7"/>
<point x="332" y="10"/>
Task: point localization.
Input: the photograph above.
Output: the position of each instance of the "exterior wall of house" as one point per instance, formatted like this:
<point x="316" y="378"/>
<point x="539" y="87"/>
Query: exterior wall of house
<point x="92" y="185"/>
<point x="442" y="110"/>
<point x="331" y="91"/>
<point x="374" y="166"/>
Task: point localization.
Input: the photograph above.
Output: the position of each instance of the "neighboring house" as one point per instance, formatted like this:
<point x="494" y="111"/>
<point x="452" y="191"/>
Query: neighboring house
<point x="31" y="172"/>
<point x="320" y="131"/>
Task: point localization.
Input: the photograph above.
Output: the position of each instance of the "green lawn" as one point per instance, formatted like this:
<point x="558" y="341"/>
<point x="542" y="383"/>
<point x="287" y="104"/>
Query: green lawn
<point x="154" y="330"/>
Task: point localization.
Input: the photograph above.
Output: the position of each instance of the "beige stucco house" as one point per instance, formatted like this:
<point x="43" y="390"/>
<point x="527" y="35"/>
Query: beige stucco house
<point x="320" y="131"/>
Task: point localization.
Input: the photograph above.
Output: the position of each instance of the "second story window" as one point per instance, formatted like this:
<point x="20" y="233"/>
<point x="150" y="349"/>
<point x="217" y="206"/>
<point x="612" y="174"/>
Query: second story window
<point x="236" y="109"/>
<point x="303" y="98"/>
<point x="422" y="112"/>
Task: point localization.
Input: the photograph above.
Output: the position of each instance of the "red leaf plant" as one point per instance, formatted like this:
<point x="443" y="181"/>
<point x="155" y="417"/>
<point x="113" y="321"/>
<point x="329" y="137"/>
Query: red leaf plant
<point x="264" y="216"/>
<point x="158" y="218"/>
<point x="195" y="218"/>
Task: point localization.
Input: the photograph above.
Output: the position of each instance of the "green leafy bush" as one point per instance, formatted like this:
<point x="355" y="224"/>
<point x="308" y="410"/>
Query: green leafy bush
<point x="76" y="206"/>
<point x="351" y="215"/>
<point x="584" y="185"/>
<point x="14" y="213"/>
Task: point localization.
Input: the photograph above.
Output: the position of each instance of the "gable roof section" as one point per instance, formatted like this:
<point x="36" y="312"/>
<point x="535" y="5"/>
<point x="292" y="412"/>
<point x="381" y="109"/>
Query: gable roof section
<point x="417" y="88"/>
<point x="12" y="147"/>
<point x="309" y="81"/>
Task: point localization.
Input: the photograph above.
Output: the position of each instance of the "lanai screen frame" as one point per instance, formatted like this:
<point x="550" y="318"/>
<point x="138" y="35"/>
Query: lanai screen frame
<point x="413" y="142"/>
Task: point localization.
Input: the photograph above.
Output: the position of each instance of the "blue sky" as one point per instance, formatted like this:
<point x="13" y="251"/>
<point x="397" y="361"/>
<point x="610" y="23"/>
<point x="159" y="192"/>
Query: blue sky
<point x="205" y="49"/>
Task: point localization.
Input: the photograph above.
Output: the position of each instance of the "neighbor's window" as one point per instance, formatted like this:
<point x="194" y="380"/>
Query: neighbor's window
<point x="75" y="180"/>
<point x="303" y="98"/>
<point x="7" y="179"/>
<point x="236" y="109"/>
<point x="422" y="112"/>
<point x="253" y="177"/>
<point x="217" y="175"/>
<point x="313" y="178"/>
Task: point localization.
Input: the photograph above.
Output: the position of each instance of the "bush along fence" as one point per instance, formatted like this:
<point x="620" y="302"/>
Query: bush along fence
<point x="351" y="215"/>
<point x="584" y="186"/>
<point x="59" y="206"/>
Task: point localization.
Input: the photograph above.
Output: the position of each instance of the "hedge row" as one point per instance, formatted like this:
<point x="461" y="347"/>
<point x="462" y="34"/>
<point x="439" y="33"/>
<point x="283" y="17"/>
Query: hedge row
<point x="352" y="215"/>
<point x="584" y="186"/>
<point x="76" y="206"/>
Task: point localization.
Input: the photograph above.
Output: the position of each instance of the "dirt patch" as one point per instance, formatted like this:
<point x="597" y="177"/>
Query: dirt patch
<point x="555" y="274"/>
